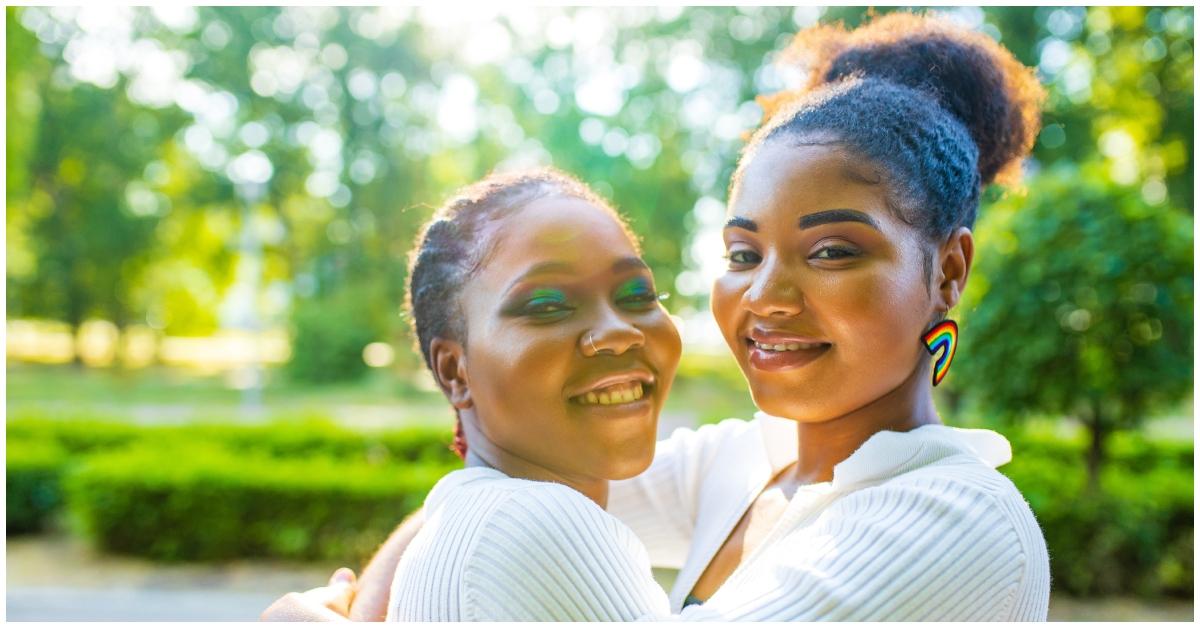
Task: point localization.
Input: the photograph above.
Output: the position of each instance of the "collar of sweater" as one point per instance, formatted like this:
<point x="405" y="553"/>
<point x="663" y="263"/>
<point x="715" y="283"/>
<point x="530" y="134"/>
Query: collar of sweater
<point x="886" y="453"/>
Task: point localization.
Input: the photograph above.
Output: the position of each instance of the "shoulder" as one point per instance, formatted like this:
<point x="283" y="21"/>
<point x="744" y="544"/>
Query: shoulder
<point x="966" y="478"/>
<point x="966" y="509"/>
<point x="547" y="552"/>
<point x="545" y="514"/>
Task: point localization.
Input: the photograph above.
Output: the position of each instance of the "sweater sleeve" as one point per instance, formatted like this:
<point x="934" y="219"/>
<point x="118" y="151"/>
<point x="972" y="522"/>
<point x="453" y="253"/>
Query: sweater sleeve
<point x="929" y="550"/>
<point x="549" y="554"/>
<point x="660" y="504"/>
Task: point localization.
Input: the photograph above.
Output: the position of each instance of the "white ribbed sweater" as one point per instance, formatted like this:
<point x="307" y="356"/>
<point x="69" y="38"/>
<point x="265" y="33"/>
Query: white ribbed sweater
<point x="914" y="526"/>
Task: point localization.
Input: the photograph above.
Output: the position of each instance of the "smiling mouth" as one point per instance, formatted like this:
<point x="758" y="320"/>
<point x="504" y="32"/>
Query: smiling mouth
<point x="783" y="353"/>
<point x="788" y="346"/>
<point x="616" y="394"/>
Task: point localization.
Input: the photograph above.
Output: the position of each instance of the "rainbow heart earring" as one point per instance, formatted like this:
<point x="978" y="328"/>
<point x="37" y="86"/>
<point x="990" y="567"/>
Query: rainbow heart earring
<point x="943" y="337"/>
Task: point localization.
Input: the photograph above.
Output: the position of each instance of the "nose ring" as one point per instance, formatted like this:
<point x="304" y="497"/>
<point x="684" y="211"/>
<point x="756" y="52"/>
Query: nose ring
<point x="595" y="351"/>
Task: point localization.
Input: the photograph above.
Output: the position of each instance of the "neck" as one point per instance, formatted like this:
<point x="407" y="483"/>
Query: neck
<point x="484" y="452"/>
<point x="825" y="444"/>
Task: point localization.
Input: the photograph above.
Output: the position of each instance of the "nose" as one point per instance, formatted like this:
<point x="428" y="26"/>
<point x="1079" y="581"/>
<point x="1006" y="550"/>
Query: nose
<point x="611" y="333"/>
<point x="773" y="291"/>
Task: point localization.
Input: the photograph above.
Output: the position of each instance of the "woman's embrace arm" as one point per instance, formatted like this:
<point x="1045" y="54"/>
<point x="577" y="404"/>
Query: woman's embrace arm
<point x="374" y="587"/>
<point x="364" y="599"/>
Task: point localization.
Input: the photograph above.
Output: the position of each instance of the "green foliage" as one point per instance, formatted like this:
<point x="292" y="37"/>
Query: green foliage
<point x="1082" y="295"/>
<point x="1133" y="536"/>
<point x="33" y="472"/>
<point x="286" y="438"/>
<point x="710" y="387"/>
<point x="201" y="502"/>
<point x="327" y="341"/>
<point x="40" y="451"/>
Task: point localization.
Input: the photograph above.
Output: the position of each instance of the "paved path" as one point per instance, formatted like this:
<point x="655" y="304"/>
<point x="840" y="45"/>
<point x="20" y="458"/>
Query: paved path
<point x="121" y="604"/>
<point x="57" y="578"/>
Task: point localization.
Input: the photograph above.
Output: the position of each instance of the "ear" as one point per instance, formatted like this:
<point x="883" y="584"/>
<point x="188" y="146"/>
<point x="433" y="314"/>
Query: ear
<point x="954" y="260"/>
<point x="450" y="371"/>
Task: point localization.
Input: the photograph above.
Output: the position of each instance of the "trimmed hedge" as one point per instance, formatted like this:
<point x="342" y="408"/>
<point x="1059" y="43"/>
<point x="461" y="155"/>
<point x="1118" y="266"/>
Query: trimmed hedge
<point x="40" y="450"/>
<point x="311" y="489"/>
<point x="302" y="437"/>
<point x="32" y="484"/>
<point x="1133" y="536"/>
<point x="205" y="502"/>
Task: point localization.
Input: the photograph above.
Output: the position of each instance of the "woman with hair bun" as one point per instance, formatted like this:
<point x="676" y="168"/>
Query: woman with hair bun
<point x="849" y="243"/>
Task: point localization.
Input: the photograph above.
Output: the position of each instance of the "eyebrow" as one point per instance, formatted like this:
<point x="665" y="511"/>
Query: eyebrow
<point x="811" y="220"/>
<point x="629" y="263"/>
<point x="737" y="222"/>
<point x="547" y="268"/>
<point x="837" y="215"/>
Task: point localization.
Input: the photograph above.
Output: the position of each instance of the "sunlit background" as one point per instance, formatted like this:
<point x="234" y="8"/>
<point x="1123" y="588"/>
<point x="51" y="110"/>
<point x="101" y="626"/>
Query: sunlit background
<point x="209" y="211"/>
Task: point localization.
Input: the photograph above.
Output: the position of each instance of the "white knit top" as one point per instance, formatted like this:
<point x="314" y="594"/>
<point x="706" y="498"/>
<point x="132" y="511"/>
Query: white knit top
<point x="914" y="526"/>
<point x="495" y="548"/>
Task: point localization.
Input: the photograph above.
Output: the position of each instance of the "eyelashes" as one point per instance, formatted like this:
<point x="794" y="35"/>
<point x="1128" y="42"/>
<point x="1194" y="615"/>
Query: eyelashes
<point x="546" y="303"/>
<point x="637" y="294"/>
<point x="638" y="290"/>
<point x="740" y="258"/>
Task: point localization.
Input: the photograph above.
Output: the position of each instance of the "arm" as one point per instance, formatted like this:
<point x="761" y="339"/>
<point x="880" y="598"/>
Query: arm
<point x="347" y="600"/>
<point x="328" y="603"/>
<point x="371" y="600"/>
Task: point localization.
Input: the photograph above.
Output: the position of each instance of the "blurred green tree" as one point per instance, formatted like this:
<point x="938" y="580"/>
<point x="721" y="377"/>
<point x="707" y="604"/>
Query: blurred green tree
<point x="85" y="221"/>
<point x="367" y="118"/>
<point x="1080" y="305"/>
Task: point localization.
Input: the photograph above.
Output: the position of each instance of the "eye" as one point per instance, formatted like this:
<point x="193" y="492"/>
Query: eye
<point x="547" y="304"/>
<point x="834" y="253"/>
<point x="637" y="293"/>
<point x="743" y="257"/>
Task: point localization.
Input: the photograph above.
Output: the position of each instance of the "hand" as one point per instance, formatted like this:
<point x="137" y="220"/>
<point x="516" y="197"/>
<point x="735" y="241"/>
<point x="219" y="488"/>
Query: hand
<point x="328" y="603"/>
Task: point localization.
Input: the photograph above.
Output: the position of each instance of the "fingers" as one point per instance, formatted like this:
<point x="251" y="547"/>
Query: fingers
<point x="340" y="592"/>
<point x="328" y="603"/>
<point x="297" y="607"/>
<point x="343" y="575"/>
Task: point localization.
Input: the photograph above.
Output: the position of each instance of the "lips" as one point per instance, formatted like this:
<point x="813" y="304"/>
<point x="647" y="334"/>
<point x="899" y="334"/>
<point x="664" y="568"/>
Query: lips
<point x="777" y="350"/>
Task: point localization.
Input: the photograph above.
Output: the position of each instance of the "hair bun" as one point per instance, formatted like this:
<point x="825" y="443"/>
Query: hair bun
<point x="977" y="80"/>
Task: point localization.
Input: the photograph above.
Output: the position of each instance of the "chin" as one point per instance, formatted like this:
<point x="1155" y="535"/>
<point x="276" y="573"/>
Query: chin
<point x="783" y="402"/>
<point x="629" y="459"/>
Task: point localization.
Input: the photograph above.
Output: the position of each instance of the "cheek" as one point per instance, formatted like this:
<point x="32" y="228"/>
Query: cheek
<point x="663" y="343"/>
<point x="515" y="367"/>
<point x="875" y="313"/>
<point x="725" y="302"/>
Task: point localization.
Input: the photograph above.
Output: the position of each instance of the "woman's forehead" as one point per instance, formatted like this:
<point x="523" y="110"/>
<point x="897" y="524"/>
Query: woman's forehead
<point x="567" y="232"/>
<point x="789" y="181"/>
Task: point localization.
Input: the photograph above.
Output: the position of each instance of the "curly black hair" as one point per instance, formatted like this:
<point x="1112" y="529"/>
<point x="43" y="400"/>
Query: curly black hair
<point x="944" y="111"/>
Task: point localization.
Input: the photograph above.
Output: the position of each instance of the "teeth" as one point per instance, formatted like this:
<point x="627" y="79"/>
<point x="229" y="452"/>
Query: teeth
<point x="791" y="346"/>
<point x="620" y="393"/>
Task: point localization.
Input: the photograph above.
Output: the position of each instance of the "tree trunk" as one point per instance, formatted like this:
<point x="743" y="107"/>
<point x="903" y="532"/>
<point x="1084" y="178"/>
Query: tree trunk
<point x="1096" y="452"/>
